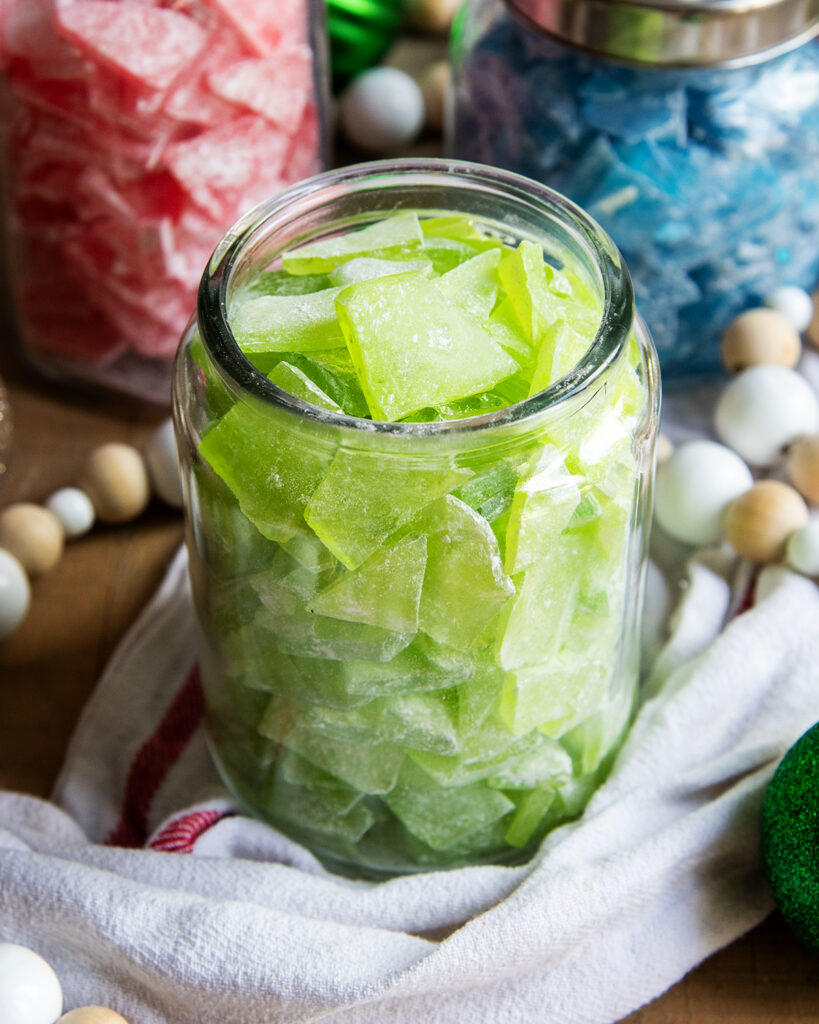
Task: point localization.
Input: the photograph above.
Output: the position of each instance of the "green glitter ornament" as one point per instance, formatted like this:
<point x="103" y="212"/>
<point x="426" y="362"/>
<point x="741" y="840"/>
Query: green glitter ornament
<point x="790" y="837"/>
<point x="361" y="32"/>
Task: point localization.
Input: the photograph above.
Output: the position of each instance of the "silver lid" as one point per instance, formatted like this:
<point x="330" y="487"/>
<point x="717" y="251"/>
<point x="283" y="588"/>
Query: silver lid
<point x="677" y="33"/>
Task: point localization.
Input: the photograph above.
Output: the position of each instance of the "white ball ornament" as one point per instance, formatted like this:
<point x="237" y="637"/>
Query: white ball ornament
<point x="802" y="551"/>
<point x="381" y="109"/>
<point x="30" y="991"/>
<point x="695" y="484"/>
<point x="74" y="510"/>
<point x="15" y="597"/>
<point x="794" y="304"/>
<point x="163" y="466"/>
<point x="763" y="410"/>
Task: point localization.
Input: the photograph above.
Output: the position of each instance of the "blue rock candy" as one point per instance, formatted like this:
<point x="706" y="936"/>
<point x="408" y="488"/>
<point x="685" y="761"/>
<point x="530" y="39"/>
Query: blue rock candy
<point x="705" y="177"/>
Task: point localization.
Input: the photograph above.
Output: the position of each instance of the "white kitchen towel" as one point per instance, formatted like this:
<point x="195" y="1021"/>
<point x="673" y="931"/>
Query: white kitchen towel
<point x="662" y="870"/>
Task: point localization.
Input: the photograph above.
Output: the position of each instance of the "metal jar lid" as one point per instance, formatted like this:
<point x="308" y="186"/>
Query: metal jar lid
<point x="677" y="33"/>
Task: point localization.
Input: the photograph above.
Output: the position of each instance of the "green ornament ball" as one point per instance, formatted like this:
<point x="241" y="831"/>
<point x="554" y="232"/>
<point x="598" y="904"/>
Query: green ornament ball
<point x="790" y="837"/>
<point x="361" y="32"/>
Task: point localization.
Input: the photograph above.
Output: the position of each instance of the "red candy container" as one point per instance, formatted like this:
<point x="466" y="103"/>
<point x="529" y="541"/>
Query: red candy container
<point x="137" y="132"/>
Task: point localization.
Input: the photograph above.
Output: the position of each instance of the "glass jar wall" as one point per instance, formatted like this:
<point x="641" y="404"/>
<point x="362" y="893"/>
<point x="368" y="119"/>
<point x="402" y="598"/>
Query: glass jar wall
<point x="478" y="694"/>
<point x="135" y="135"/>
<point x="689" y="132"/>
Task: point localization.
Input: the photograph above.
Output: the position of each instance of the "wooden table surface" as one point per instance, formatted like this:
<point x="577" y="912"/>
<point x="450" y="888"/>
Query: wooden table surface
<point x="80" y="612"/>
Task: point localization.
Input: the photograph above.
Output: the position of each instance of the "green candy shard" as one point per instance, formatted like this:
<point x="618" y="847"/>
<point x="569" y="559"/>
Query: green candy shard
<point x="539" y="619"/>
<point x="271" y="464"/>
<point x="482" y="752"/>
<point x="279" y="282"/>
<point x="465" y="585"/>
<point x="490" y="493"/>
<point x="384" y="591"/>
<point x="287" y="323"/>
<point x="552" y="695"/>
<point x="365" y="268"/>
<point x="423" y="665"/>
<point x="368" y="767"/>
<point x="317" y="810"/>
<point x="443" y="817"/>
<point x="473" y="286"/>
<point x="413" y="348"/>
<point x="528" y="816"/>
<point x="504" y="326"/>
<point x="456" y="227"/>
<point x="592" y="740"/>
<point x="294" y="769"/>
<point x="365" y="497"/>
<point x="309" y="552"/>
<point x="543" y="505"/>
<point x="526" y="278"/>
<point x="333" y="372"/>
<point x="545" y="764"/>
<point x="390" y="238"/>
<point x="318" y="636"/>
<point x="292" y="380"/>
<point x="419" y="720"/>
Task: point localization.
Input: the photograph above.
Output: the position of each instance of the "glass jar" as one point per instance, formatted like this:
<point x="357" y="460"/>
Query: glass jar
<point x="690" y="132"/>
<point x="117" y="186"/>
<point x="480" y="696"/>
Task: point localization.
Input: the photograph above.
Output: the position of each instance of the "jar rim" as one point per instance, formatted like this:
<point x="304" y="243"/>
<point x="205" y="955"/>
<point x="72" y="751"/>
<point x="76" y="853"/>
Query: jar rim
<point x="676" y="33"/>
<point x="238" y="372"/>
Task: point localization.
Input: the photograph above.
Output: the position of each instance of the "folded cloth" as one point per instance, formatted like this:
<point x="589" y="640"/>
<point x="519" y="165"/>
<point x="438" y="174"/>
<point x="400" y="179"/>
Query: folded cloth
<point x="663" y="868"/>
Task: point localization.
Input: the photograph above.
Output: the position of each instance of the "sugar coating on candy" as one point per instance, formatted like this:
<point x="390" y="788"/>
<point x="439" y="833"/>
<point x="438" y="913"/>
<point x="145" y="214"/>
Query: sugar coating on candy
<point x="660" y="158"/>
<point x="789" y="822"/>
<point x="384" y="591"/>
<point x="435" y="638"/>
<point x="138" y="133"/>
<point x="416" y="343"/>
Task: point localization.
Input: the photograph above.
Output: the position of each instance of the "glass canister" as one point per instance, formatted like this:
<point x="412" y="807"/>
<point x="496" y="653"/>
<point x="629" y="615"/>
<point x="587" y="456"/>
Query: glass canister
<point x="689" y="131"/>
<point x="418" y="640"/>
<point x="134" y="135"/>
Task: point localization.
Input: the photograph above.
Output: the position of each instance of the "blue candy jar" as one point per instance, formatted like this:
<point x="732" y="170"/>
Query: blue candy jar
<point x="690" y="131"/>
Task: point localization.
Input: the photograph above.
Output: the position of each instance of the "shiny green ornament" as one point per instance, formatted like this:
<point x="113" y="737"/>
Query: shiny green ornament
<point x="361" y="32"/>
<point x="790" y="837"/>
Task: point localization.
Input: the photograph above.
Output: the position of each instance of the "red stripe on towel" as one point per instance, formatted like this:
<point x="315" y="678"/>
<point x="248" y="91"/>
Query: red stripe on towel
<point x="154" y="759"/>
<point x="180" y="835"/>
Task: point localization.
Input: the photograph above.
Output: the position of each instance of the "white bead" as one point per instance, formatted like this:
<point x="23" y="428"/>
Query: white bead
<point x="764" y="409"/>
<point x="74" y="510"/>
<point x="794" y="304"/>
<point x="694" y="486"/>
<point x="30" y="991"/>
<point x="382" y="109"/>
<point x="15" y="596"/>
<point x="163" y="465"/>
<point x="802" y="551"/>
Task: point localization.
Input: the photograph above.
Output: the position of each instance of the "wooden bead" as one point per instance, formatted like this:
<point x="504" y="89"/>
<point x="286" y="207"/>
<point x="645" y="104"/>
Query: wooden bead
<point x="34" y="536"/>
<point x="433" y="16"/>
<point x="91" y="1015"/>
<point x="665" y="449"/>
<point x="435" y="85"/>
<point x="116" y="481"/>
<point x="803" y="467"/>
<point x="760" y="337"/>
<point x="759" y="522"/>
<point x="812" y="333"/>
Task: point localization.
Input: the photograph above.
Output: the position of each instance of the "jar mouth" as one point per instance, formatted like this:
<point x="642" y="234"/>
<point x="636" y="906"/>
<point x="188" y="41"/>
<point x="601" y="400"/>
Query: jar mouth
<point x="378" y="182"/>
